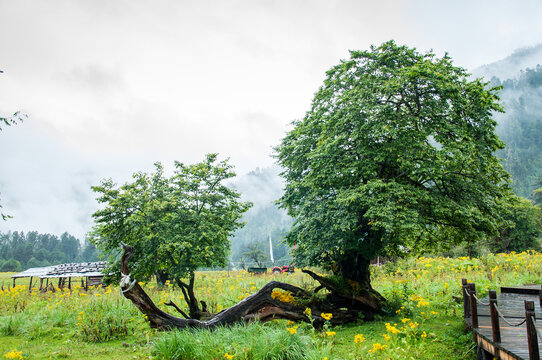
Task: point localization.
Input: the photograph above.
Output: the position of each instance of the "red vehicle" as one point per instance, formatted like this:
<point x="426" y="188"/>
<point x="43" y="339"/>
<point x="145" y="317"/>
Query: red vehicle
<point x="283" y="269"/>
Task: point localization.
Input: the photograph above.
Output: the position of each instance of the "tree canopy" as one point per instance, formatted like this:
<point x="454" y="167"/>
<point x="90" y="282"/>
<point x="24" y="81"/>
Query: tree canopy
<point x="396" y="151"/>
<point x="175" y="224"/>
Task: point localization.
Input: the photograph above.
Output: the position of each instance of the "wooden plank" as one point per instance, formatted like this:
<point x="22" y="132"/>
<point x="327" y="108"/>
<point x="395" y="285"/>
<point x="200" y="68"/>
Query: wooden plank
<point x="525" y="289"/>
<point x="513" y="344"/>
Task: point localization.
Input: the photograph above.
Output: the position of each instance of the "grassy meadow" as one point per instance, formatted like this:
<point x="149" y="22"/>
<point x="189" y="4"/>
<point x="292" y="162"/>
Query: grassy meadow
<point x="421" y="321"/>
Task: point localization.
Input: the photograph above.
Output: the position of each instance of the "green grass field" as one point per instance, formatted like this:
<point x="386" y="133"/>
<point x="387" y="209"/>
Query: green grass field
<point x="421" y="320"/>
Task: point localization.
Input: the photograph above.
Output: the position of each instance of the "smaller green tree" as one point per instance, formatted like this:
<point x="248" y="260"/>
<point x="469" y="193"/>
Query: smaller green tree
<point x="254" y="252"/>
<point x="522" y="231"/>
<point x="176" y="224"/>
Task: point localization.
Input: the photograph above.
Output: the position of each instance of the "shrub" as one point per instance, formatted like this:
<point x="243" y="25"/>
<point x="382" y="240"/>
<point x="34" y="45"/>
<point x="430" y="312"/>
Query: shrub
<point x="103" y="321"/>
<point x="11" y="265"/>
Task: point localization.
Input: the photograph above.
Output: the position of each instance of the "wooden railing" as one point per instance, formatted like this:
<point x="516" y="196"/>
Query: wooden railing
<point x="470" y="306"/>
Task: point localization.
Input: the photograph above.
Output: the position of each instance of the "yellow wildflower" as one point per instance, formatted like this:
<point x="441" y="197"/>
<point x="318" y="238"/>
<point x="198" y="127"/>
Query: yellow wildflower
<point x="228" y="356"/>
<point x="292" y="330"/>
<point x="14" y="354"/>
<point x="424" y="335"/>
<point x="392" y="329"/>
<point x="326" y="316"/>
<point x="331" y="333"/>
<point x="359" y="338"/>
<point x="282" y="296"/>
<point x="377" y="347"/>
<point x="386" y="336"/>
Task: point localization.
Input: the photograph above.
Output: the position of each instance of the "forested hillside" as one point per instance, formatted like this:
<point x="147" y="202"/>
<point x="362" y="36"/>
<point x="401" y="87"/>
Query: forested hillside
<point x="263" y="187"/>
<point x="19" y="251"/>
<point x="520" y="127"/>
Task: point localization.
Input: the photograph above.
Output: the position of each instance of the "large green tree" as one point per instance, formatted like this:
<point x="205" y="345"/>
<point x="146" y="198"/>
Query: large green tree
<point x="175" y="224"/>
<point x="396" y="152"/>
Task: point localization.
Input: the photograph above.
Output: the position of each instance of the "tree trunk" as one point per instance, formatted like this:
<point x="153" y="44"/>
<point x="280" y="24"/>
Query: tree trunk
<point x="260" y="306"/>
<point x="353" y="289"/>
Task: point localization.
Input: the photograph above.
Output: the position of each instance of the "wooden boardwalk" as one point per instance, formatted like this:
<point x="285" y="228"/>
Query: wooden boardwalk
<point x="505" y="335"/>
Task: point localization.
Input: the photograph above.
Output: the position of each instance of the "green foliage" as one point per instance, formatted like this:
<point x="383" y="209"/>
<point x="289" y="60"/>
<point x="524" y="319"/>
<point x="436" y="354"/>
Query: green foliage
<point x="177" y="223"/>
<point x="396" y="151"/>
<point x="524" y="231"/>
<point x="254" y="253"/>
<point x="248" y="342"/>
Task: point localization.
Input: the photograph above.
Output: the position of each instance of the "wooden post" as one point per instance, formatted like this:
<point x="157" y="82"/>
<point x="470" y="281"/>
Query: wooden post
<point x="70" y="283"/>
<point x="473" y="306"/>
<point x="30" y="286"/>
<point x="41" y="283"/>
<point x="532" y="338"/>
<point x="14" y="281"/>
<point x="466" y="307"/>
<point x="59" y="282"/>
<point x="495" y="328"/>
<point x="86" y="283"/>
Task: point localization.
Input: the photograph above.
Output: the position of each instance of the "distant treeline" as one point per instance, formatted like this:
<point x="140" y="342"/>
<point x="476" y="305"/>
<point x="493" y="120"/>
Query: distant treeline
<point x="20" y="251"/>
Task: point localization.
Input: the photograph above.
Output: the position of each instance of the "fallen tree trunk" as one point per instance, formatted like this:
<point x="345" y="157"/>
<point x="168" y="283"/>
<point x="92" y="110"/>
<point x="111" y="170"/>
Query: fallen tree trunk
<point x="261" y="306"/>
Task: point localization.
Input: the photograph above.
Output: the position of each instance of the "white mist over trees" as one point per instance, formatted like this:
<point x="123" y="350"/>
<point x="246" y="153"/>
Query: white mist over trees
<point x="262" y="187"/>
<point x="520" y="126"/>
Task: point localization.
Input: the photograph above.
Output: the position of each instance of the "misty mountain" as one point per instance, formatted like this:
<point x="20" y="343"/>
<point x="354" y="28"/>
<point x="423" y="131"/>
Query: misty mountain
<point x="520" y="127"/>
<point x="511" y="66"/>
<point x="262" y="187"/>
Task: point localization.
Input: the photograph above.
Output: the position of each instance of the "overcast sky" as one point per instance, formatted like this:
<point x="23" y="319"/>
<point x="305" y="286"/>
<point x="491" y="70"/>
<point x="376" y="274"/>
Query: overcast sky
<point x="112" y="86"/>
